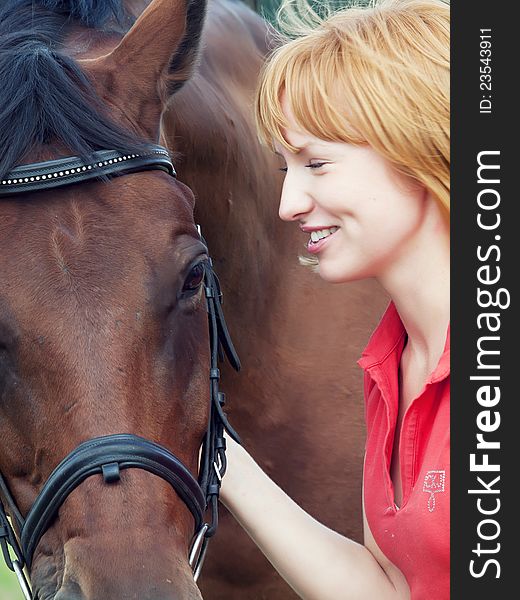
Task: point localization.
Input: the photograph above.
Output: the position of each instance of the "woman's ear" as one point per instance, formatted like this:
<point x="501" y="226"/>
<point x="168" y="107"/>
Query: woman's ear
<point x="153" y="61"/>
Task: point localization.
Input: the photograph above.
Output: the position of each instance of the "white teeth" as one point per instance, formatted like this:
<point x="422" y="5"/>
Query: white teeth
<point x="316" y="236"/>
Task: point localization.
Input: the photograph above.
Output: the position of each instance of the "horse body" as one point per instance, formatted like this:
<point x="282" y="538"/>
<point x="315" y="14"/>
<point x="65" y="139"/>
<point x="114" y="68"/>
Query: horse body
<point x="298" y="401"/>
<point x="89" y="312"/>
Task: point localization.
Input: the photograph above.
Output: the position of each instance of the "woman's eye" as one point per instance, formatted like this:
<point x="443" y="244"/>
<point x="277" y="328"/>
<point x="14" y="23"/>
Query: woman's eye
<point x="194" y="279"/>
<point x="316" y="165"/>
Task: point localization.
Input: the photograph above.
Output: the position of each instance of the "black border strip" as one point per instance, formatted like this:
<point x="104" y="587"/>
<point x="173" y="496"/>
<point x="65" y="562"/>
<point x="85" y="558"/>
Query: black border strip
<point x="492" y="133"/>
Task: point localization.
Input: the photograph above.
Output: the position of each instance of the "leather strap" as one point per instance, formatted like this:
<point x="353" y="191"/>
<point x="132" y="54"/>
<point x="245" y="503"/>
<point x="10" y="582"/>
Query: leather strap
<point x="88" y="459"/>
<point x="73" y="169"/>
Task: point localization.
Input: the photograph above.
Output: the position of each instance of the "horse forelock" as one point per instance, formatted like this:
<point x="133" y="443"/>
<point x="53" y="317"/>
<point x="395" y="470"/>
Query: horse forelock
<point x="45" y="97"/>
<point x="89" y="13"/>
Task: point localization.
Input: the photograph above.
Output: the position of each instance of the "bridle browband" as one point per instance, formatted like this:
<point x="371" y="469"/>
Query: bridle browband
<point x="73" y="169"/>
<point x="108" y="455"/>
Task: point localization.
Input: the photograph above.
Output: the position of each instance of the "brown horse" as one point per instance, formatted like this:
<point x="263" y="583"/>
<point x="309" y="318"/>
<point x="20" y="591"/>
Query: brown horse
<point x="103" y="323"/>
<point x="93" y="340"/>
<point x="298" y="401"/>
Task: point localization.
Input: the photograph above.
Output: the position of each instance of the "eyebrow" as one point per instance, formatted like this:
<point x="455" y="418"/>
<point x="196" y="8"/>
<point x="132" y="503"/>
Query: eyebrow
<point x="300" y="148"/>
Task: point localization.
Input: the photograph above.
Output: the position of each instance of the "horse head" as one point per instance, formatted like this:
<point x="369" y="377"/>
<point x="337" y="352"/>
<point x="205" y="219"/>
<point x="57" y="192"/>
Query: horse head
<point x="104" y="343"/>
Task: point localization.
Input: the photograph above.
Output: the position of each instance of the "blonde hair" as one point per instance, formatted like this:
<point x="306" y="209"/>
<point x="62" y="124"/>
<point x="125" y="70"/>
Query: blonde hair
<point x="376" y="75"/>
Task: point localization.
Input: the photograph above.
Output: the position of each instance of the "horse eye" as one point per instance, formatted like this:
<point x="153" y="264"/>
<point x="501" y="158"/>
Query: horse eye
<point x="194" y="279"/>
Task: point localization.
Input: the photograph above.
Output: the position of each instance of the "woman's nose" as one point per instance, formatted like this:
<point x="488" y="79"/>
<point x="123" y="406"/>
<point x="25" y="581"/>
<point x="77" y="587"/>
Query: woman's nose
<point x="294" y="202"/>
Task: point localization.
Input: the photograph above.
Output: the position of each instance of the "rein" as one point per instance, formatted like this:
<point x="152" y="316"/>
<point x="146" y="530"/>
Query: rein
<point x="108" y="455"/>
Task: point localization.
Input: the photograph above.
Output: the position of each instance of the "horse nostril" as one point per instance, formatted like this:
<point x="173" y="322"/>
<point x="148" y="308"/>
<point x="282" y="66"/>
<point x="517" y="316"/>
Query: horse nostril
<point x="67" y="594"/>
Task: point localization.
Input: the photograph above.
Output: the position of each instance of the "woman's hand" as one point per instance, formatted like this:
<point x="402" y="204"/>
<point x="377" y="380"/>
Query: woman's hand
<point x="236" y="458"/>
<point x="318" y="563"/>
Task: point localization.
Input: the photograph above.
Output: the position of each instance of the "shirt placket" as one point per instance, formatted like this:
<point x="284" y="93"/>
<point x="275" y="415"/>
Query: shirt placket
<point x="407" y="451"/>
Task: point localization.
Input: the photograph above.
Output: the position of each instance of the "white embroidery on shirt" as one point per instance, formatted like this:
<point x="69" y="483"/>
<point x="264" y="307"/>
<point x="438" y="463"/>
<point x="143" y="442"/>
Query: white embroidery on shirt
<point x="433" y="483"/>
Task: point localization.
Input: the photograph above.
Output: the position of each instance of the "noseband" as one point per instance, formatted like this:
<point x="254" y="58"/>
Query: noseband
<point x="109" y="455"/>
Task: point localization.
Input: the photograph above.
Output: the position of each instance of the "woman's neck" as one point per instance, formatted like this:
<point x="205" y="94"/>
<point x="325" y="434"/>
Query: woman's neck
<point x="419" y="284"/>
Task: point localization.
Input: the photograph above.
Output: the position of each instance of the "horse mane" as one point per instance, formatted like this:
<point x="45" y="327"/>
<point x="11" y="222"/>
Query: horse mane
<point x="45" y="97"/>
<point x="89" y="13"/>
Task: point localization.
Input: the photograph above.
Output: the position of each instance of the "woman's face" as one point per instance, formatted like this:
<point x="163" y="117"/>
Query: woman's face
<point x="359" y="214"/>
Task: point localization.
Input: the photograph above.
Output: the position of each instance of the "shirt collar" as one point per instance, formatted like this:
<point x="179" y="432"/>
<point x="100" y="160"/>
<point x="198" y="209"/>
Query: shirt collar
<point x="388" y="339"/>
<point x="385" y="339"/>
<point x="443" y="368"/>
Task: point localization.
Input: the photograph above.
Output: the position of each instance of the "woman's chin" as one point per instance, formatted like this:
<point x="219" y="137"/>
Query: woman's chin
<point x="334" y="273"/>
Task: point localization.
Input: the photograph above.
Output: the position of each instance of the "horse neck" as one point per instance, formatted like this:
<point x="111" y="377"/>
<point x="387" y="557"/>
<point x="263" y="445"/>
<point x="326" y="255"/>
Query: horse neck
<point x="237" y="208"/>
<point x="235" y="181"/>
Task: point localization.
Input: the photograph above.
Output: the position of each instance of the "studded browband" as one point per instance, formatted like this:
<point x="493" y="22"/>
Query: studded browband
<point x="73" y="169"/>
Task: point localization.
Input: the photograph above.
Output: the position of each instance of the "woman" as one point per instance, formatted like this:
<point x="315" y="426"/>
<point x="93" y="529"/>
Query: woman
<point x="357" y="107"/>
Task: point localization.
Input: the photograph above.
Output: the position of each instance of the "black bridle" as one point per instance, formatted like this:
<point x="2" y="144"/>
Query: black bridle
<point x="108" y="455"/>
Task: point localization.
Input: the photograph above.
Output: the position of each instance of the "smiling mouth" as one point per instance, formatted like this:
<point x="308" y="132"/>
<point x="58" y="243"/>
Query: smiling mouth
<point x="316" y="236"/>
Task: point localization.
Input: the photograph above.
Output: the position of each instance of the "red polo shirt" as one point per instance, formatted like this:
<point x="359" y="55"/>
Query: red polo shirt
<point x="415" y="536"/>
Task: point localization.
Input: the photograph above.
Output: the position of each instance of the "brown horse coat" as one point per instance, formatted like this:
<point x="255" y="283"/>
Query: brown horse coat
<point x="297" y="402"/>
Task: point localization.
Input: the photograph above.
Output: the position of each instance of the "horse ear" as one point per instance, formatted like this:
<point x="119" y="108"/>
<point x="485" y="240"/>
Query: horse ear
<point x="152" y="62"/>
